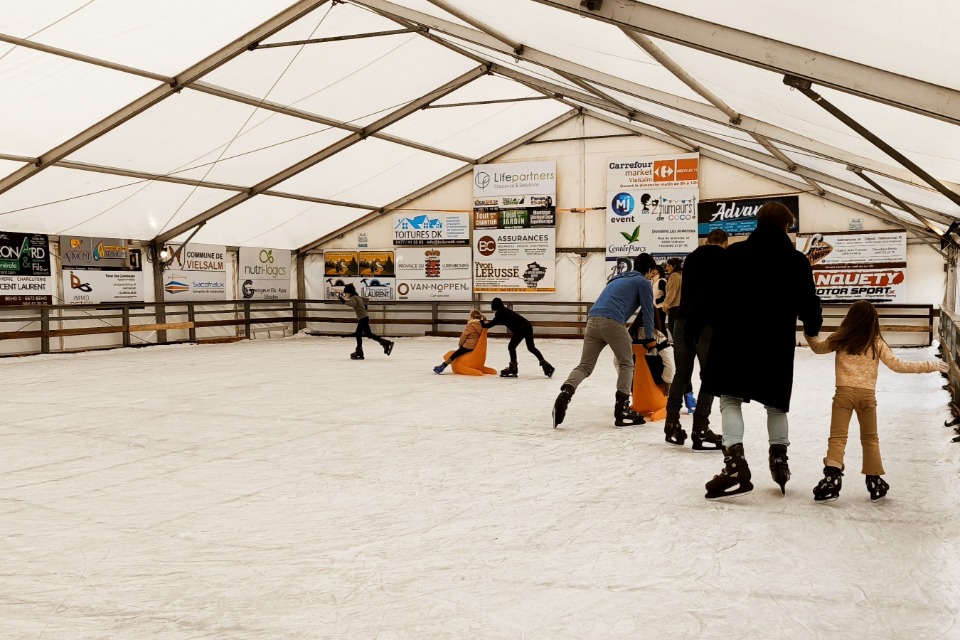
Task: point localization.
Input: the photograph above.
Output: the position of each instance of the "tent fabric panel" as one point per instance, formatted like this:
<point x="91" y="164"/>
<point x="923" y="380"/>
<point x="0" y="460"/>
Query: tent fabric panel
<point x="266" y="221"/>
<point x="355" y="80"/>
<point x="60" y="200"/>
<point x="922" y="45"/>
<point x="48" y="99"/>
<point x="184" y="134"/>
<point x="373" y="171"/>
<point x="162" y="37"/>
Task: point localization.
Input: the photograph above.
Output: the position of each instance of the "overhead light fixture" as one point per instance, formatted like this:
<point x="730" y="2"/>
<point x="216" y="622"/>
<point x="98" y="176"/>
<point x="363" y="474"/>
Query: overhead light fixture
<point x="165" y="254"/>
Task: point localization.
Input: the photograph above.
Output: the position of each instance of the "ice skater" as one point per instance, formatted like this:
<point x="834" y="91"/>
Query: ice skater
<point x="751" y="357"/>
<point x="860" y="349"/>
<point x="350" y="298"/>
<point x="520" y="330"/>
<point x="606" y="325"/>
<point x="468" y="340"/>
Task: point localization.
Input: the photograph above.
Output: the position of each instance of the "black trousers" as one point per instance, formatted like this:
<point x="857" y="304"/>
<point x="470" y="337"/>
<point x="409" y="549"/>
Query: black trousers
<point x="363" y="330"/>
<point x="456" y="354"/>
<point x="517" y="338"/>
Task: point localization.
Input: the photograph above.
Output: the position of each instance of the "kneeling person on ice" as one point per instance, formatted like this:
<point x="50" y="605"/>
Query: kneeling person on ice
<point x="606" y="325"/>
<point x="468" y="340"/>
<point x="350" y="298"/>
<point x="521" y="330"/>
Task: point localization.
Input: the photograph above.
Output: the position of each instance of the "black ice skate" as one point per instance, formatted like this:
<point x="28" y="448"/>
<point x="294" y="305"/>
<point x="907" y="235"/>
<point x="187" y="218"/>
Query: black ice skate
<point x="828" y="489"/>
<point x="877" y="487"/>
<point x="734" y="479"/>
<point x="561" y="403"/>
<point x="703" y="438"/>
<point x="623" y="415"/>
<point x="510" y="371"/>
<point x="673" y="432"/>
<point x="779" y="469"/>
<point x="357" y="355"/>
<point x="387" y="346"/>
<point x="547" y="369"/>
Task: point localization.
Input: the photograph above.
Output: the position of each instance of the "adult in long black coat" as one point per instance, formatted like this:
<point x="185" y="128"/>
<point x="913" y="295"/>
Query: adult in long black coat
<point x="764" y="285"/>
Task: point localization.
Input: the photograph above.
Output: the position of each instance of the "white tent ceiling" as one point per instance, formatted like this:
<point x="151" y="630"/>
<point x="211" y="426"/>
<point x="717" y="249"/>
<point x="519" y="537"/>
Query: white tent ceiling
<point x="144" y="120"/>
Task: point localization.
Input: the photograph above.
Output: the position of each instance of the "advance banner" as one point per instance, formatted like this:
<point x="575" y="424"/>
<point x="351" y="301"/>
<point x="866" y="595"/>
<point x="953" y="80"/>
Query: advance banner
<point x="434" y="273"/>
<point x="739" y="217"/>
<point x="868" y="265"/>
<point x="264" y="274"/>
<point x="420" y="229"/>
<point x="25" y="275"/>
<point x="515" y="260"/>
<point x="198" y="272"/>
<point x="652" y="206"/>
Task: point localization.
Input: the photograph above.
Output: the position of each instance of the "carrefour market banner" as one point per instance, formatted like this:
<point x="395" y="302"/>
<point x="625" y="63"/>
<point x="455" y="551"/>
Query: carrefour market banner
<point x="514" y="260"/>
<point x="25" y="276"/>
<point x="197" y="272"/>
<point x="264" y="274"/>
<point x="867" y="265"/>
<point x="652" y="206"/>
<point x="434" y="273"/>
<point x="738" y="218"/>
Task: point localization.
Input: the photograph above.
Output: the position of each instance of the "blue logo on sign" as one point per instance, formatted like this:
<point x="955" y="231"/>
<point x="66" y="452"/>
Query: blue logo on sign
<point x="622" y="204"/>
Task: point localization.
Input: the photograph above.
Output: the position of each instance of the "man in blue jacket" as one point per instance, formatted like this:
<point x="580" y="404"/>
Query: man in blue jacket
<point x="606" y="325"/>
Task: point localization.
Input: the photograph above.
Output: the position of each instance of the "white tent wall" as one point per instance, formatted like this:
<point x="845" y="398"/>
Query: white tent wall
<point x="581" y="170"/>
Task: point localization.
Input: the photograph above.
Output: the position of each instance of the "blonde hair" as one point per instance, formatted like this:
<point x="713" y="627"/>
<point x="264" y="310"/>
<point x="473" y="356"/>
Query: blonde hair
<point x="476" y="314"/>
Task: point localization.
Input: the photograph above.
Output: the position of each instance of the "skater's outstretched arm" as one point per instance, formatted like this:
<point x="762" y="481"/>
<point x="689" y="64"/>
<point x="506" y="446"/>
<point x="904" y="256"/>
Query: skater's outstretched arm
<point x="896" y="364"/>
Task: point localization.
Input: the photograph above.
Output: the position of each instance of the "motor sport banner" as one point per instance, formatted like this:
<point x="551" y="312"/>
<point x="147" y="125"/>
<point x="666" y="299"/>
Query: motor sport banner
<point x="851" y="266"/>
<point x="738" y="218"/>
<point x="197" y="272"/>
<point x="514" y="260"/>
<point x="25" y="275"/>
<point x="419" y="229"/>
<point x="434" y="273"/>
<point x="652" y="206"/>
<point x="264" y="274"/>
<point x="92" y="286"/>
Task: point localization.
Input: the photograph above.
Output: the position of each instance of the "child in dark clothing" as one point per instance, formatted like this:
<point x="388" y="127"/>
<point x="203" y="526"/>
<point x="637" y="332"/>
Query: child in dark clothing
<point x="350" y="298"/>
<point x="521" y="330"/>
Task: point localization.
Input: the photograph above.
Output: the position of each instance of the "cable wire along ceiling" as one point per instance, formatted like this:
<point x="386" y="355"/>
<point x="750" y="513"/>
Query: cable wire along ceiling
<point x="278" y="123"/>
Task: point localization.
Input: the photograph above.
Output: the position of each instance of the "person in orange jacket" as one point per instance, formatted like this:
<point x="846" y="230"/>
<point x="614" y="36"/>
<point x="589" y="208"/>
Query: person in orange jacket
<point x="468" y="340"/>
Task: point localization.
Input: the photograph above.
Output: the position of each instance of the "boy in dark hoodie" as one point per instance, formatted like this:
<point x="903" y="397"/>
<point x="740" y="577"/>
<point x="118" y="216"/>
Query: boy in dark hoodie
<point x="350" y="298"/>
<point x="521" y="330"/>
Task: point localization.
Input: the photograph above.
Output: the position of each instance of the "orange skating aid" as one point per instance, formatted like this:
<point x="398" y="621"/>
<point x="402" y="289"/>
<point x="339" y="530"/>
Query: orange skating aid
<point x="472" y="364"/>
<point x="648" y="399"/>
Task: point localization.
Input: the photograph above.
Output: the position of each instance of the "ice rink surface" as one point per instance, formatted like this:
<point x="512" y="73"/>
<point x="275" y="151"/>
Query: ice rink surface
<point x="278" y="490"/>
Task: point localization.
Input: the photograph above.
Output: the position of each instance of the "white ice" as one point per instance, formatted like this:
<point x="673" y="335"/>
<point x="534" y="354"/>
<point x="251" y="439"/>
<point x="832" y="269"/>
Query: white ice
<point x="278" y="490"/>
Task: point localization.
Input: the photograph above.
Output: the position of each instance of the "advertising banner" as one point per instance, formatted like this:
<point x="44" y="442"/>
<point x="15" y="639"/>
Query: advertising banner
<point x="516" y="184"/>
<point x="333" y="286"/>
<point x="377" y="289"/>
<point x="90" y="286"/>
<point x="739" y="217"/>
<point x="851" y="266"/>
<point x="198" y="272"/>
<point x="25" y="275"/>
<point x="518" y="260"/>
<point x="341" y="263"/>
<point x="98" y="253"/>
<point x="377" y="263"/>
<point x="264" y="274"/>
<point x="652" y="206"/>
<point x="418" y="229"/>
<point x="434" y="273"/>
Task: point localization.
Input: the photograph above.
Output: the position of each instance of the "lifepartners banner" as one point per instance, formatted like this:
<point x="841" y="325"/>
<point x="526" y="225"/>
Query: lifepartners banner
<point x="25" y="276"/>
<point x="514" y="221"/>
<point x="264" y="274"/>
<point x="867" y="265"/>
<point x="198" y="272"/>
<point x="434" y="273"/>
<point x="652" y="206"/>
<point x="96" y="270"/>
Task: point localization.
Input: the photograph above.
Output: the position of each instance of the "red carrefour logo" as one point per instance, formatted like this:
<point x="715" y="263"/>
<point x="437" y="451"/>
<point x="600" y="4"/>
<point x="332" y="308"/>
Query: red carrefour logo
<point x="486" y="246"/>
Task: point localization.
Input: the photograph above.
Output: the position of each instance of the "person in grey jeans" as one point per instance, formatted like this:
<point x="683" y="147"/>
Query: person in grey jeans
<point x="606" y="325"/>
